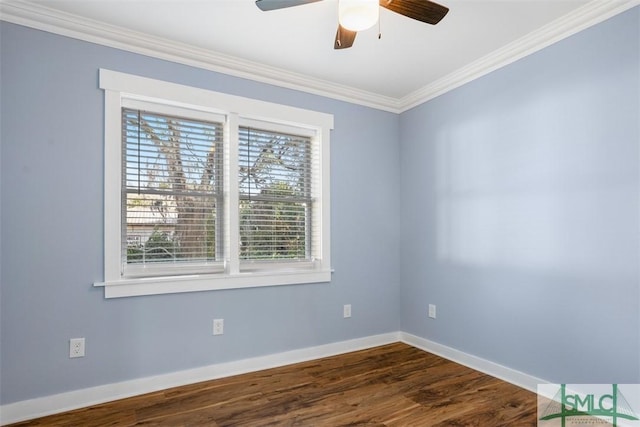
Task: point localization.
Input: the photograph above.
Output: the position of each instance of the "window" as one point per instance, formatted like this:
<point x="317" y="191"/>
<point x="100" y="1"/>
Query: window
<point x="275" y="196"/>
<point x="208" y="191"/>
<point x="171" y="193"/>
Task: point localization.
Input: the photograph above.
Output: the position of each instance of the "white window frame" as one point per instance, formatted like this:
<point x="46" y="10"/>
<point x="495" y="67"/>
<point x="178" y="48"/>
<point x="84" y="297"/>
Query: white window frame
<point x="120" y="88"/>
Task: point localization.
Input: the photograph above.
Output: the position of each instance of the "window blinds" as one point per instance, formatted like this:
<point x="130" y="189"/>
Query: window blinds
<point x="275" y="192"/>
<point x="171" y="189"/>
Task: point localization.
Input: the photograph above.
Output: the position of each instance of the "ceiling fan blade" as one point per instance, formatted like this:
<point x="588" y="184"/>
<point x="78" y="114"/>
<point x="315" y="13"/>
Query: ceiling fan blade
<point x="421" y="10"/>
<point x="344" y="38"/>
<point x="281" y="4"/>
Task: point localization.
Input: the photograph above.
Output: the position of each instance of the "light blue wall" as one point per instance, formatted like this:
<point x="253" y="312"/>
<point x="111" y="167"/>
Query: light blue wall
<point x="520" y="212"/>
<point x="52" y="200"/>
<point x="517" y="196"/>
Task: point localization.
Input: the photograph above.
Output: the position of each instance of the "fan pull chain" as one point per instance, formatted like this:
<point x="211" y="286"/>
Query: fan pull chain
<point x="379" y="29"/>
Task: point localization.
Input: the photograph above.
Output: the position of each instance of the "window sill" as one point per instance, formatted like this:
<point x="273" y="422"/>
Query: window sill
<point x="195" y="283"/>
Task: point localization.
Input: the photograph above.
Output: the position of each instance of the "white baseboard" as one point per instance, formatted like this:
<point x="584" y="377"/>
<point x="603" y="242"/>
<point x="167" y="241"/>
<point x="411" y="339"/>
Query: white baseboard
<point x="520" y="379"/>
<point x="48" y="405"/>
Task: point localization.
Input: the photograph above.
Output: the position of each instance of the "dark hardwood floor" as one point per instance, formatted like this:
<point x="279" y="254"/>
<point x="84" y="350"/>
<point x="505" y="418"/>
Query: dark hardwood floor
<point x="392" y="385"/>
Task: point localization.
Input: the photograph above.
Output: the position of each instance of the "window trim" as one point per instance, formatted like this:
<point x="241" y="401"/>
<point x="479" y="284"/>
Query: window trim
<point x="120" y="86"/>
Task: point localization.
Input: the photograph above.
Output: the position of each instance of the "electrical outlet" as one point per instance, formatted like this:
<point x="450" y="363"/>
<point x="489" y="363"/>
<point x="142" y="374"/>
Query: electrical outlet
<point x="218" y="326"/>
<point x="346" y="311"/>
<point x="432" y="311"/>
<point x="76" y="347"/>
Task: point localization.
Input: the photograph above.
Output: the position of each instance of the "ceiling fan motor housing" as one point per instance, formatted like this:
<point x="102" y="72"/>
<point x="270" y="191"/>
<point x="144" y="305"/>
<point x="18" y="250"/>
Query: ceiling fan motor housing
<point x="358" y="15"/>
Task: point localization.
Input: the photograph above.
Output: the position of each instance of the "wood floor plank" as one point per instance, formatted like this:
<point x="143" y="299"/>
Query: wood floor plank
<point x="392" y="386"/>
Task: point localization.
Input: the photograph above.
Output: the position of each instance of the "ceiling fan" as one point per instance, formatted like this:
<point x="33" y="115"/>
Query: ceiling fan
<point x="358" y="15"/>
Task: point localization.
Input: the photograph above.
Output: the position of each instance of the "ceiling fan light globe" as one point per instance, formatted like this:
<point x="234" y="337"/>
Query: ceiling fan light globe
<point x="358" y="15"/>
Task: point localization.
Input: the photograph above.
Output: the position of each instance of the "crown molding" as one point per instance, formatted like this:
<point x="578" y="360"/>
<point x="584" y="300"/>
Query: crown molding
<point x="70" y="25"/>
<point x="582" y="18"/>
<point x="53" y="21"/>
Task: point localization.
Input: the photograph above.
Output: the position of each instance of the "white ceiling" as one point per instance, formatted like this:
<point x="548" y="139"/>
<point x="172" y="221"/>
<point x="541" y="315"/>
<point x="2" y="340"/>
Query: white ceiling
<point x="296" y="44"/>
